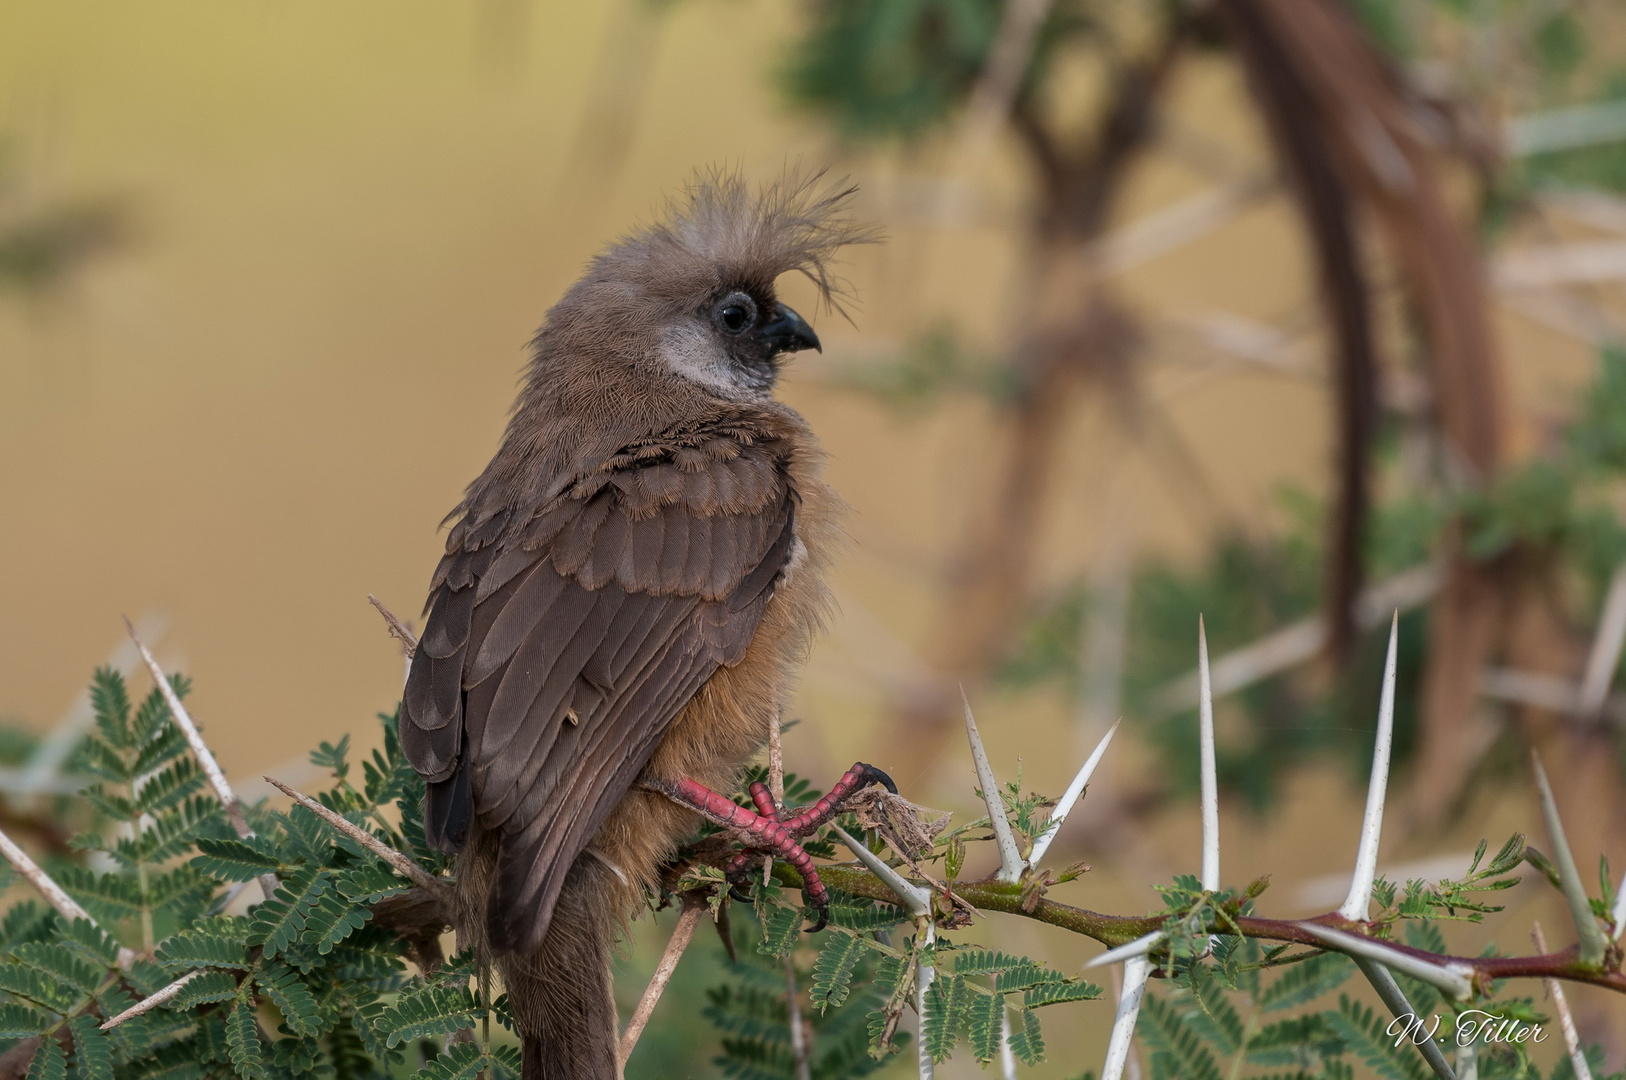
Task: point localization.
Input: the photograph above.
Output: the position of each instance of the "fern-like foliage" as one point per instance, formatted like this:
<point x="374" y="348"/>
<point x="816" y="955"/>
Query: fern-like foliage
<point x="301" y="984"/>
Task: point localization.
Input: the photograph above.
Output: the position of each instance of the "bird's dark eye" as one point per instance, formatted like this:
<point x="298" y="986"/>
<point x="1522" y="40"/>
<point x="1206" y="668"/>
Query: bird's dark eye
<point x="735" y="313"/>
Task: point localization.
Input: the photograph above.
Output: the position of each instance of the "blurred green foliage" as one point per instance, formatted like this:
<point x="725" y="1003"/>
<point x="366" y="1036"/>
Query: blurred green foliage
<point x="898" y="68"/>
<point x="41" y="244"/>
<point x="1560" y="506"/>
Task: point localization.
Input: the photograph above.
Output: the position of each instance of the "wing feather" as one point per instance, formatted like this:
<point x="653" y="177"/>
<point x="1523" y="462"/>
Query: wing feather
<point x="560" y="649"/>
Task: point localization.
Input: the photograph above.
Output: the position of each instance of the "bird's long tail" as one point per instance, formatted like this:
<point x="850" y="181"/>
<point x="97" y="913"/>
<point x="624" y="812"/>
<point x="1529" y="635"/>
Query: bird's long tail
<point x="560" y="995"/>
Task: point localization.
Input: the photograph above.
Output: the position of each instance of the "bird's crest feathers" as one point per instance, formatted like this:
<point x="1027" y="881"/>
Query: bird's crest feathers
<point x="750" y="235"/>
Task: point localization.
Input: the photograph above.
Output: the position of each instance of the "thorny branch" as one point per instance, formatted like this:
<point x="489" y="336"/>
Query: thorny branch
<point x="200" y="750"/>
<point x="398" y="862"/>
<point x="1114" y="930"/>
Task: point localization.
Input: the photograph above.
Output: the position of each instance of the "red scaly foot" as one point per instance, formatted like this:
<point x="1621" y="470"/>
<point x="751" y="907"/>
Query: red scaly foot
<point x="764" y="833"/>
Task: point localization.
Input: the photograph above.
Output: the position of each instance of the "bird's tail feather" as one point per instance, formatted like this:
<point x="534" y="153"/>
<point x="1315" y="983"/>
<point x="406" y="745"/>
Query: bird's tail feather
<point x="559" y="995"/>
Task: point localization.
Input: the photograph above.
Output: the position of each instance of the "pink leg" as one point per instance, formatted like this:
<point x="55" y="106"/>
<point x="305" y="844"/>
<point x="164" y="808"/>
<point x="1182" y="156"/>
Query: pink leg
<point x="763" y="832"/>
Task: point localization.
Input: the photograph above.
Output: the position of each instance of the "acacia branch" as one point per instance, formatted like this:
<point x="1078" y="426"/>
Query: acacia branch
<point x="397" y="861"/>
<point x="64" y="905"/>
<point x="200" y="750"/>
<point x="1115" y="930"/>
<point x="694" y="905"/>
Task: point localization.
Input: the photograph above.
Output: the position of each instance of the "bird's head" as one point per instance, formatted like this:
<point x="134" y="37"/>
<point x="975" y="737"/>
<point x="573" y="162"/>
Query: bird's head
<point x="694" y="296"/>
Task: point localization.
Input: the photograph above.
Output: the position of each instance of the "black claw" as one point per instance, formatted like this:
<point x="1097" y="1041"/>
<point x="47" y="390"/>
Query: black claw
<point x="876" y="776"/>
<point x="741" y="892"/>
<point x="725" y="930"/>
<point x="824" y="920"/>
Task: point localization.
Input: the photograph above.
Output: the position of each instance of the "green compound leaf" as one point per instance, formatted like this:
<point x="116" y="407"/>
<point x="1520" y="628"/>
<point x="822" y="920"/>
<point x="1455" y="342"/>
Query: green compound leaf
<point x="218" y="942"/>
<point x="946" y="1001"/>
<point x="1056" y="993"/>
<point x="985" y="1025"/>
<point x="92" y="1050"/>
<point x="293" y="999"/>
<point x="280" y="921"/>
<point x="505" y="1062"/>
<point x="36" y="987"/>
<point x="1362" y="1031"/>
<point x="90" y="941"/>
<point x="49" y="1062"/>
<point x="833" y="970"/>
<point x="989" y="962"/>
<point x="20" y="1022"/>
<point x="210" y="986"/>
<point x="332" y="919"/>
<point x="1167" y="1031"/>
<point x="1214" y="1017"/>
<point x="461" y="1062"/>
<point x="371" y="882"/>
<point x="866" y="918"/>
<point x="431" y="1010"/>
<point x="61" y="963"/>
<point x="1027" y="1043"/>
<point x="780" y="931"/>
<point x="243" y="1044"/>
<point x="1305" y="981"/>
<point x="236" y="860"/>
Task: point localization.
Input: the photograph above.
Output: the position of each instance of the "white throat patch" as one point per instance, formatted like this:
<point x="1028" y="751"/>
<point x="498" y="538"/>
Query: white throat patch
<point x="691" y="350"/>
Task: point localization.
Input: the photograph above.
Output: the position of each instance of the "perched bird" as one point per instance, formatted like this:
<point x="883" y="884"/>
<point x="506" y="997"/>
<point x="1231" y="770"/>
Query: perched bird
<point x="626" y="591"/>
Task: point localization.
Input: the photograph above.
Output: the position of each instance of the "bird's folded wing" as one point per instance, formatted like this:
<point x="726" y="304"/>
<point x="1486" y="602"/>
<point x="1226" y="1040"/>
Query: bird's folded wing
<point x="560" y="649"/>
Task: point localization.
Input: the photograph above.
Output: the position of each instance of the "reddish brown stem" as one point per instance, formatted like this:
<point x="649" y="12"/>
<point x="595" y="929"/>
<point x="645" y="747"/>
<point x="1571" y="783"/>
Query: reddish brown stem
<point x="1114" y="930"/>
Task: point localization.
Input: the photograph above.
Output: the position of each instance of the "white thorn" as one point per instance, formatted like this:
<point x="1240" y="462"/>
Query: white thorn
<point x="1618" y="916"/>
<point x="1070" y="797"/>
<point x="1136" y="970"/>
<point x="1467" y="1064"/>
<point x="1366" y="856"/>
<point x="1454" y="979"/>
<point x="151" y="1001"/>
<point x="1127" y="951"/>
<point x="917" y="901"/>
<point x="63" y="904"/>
<point x="1607" y="642"/>
<point x="1592" y="945"/>
<point x="1010" y="859"/>
<point x="1383" y="981"/>
<point x="200" y="750"/>
<point x="1210" y="779"/>
<point x="925" y="975"/>
<point x="1566" y="1019"/>
<point x="183" y="720"/>
<point x="397" y="861"/>
<point x="1007" y="1058"/>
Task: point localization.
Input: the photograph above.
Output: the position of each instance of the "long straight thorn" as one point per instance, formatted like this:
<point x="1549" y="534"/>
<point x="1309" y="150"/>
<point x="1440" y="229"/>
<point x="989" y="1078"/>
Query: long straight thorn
<point x="1136" y="970"/>
<point x="1566" y="1019"/>
<point x="1007" y="1059"/>
<point x="1617" y="917"/>
<point x="201" y="751"/>
<point x="1127" y="951"/>
<point x="1210" y="779"/>
<point x="1592" y="943"/>
<point x="63" y="904"/>
<point x="1070" y="797"/>
<point x="925" y="975"/>
<point x="1454" y="979"/>
<point x="1366" y="856"/>
<point x="917" y="901"/>
<point x="1383" y="981"/>
<point x="1010" y="859"/>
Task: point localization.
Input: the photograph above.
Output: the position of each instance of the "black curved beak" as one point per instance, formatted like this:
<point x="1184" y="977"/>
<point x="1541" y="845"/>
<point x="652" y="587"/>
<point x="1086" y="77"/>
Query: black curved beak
<point x="789" y="332"/>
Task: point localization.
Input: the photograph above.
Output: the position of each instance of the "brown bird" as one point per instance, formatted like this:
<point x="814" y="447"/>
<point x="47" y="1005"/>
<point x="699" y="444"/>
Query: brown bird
<point x="626" y="591"/>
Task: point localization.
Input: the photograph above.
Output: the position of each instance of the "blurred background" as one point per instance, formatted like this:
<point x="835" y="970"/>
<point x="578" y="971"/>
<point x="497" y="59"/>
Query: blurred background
<point x="1291" y="313"/>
